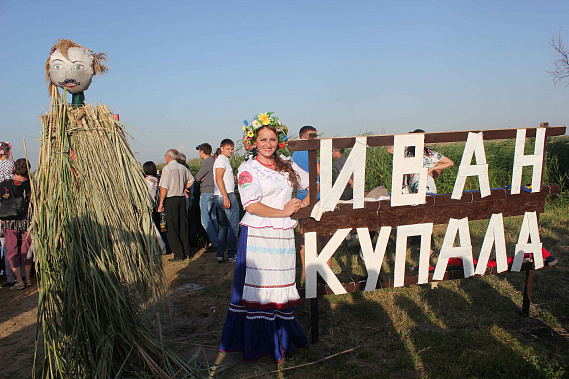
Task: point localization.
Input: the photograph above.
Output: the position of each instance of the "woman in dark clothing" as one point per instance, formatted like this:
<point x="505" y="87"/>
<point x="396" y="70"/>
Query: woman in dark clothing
<point x="16" y="230"/>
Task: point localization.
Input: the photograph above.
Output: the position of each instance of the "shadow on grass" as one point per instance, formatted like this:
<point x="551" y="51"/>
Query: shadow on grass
<point x="471" y="329"/>
<point x="463" y="328"/>
<point x="353" y="320"/>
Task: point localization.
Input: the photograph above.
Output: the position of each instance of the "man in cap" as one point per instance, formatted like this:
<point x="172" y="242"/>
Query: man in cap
<point x="207" y="204"/>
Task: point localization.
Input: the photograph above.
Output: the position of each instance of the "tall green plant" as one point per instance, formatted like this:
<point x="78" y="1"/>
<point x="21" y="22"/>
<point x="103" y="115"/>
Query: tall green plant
<point x="499" y="156"/>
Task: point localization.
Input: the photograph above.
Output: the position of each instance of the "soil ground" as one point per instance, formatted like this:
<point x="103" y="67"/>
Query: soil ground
<point x="463" y="328"/>
<point x="194" y="320"/>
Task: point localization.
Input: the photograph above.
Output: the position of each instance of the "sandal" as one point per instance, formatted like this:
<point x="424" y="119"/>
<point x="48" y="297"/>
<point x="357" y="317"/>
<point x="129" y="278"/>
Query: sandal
<point x="28" y="283"/>
<point x="18" y="287"/>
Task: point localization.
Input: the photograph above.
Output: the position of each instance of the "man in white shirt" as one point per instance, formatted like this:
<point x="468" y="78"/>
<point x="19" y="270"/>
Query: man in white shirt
<point x="175" y="179"/>
<point x="226" y="203"/>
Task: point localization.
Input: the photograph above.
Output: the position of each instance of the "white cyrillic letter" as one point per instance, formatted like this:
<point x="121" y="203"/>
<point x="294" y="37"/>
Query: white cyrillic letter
<point x="494" y="236"/>
<point x="316" y="263"/>
<point x="404" y="231"/>
<point x="463" y="251"/>
<point x="535" y="160"/>
<point x="529" y="229"/>
<point x="373" y="259"/>
<point x="474" y="145"/>
<point x="355" y="164"/>
<point x="408" y="165"/>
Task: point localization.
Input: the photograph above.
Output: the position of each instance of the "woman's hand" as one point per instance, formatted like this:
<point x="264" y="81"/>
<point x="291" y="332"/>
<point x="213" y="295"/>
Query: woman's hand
<point x="441" y="165"/>
<point x="263" y="210"/>
<point x="292" y="206"/>
<point x="306" y="202"/>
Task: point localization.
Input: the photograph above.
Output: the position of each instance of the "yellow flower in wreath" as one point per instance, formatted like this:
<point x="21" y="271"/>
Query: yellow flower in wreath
<point x="264" y="119"/>
<point x="250" y="133"/>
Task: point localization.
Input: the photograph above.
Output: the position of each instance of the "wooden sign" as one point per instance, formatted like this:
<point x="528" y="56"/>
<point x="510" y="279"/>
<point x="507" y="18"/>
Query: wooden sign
<point x="415" y="214"/>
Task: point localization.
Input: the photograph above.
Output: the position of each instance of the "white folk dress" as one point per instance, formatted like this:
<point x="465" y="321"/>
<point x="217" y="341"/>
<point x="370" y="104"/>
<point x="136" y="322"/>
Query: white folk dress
<point x="260" y="318"/>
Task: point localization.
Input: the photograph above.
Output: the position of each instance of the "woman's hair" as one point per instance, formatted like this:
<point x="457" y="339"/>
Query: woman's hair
<point x="4" y="148"/>
<point x="411" y="149"/>
<point x="280" y="165"/>
<point x="21" y="168"/>
<point x="149" y="168"/>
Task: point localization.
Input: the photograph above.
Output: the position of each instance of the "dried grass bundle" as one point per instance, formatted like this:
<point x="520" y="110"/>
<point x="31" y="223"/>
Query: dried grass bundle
<point x="97" y="254"/>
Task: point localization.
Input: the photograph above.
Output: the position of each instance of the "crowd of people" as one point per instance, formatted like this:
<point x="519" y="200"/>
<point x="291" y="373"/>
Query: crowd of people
<point x="260" y="320"/>
<point x="177" y="193"/>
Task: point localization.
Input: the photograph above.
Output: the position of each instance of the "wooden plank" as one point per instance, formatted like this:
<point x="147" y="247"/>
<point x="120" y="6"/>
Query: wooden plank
<point x="314" y="319"/>
<point x="387" y="282"/>
<point x="431" y="201"/>
<point x="312" y="171"/>
<point x="528" y="286"/>
<point x="438" y="212"/>
<point x="438" y="137"/>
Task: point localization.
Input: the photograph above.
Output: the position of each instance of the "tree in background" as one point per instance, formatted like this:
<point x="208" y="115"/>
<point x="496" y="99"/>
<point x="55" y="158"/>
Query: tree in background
<point x="561" y="72"/>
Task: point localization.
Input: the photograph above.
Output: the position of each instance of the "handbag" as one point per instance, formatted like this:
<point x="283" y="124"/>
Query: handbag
<point x="10" y="206"/>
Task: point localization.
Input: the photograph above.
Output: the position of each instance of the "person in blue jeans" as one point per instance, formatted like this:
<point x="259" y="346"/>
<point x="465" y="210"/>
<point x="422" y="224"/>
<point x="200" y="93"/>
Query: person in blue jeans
<point x="226" y="203"/>
<point x="207" y="204"/>
<point x="301" y="158"/>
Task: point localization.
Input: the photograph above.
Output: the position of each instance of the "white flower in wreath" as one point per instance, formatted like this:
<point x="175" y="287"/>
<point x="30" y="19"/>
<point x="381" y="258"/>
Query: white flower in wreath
<point x="256" y="124"/>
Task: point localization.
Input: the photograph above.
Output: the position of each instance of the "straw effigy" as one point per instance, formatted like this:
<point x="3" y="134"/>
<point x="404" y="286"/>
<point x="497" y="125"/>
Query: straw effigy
<point x="97" y="254"/>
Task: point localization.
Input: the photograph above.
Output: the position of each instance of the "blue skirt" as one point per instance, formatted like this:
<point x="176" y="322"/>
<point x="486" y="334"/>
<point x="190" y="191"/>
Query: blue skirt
<point x="254" y="331"/>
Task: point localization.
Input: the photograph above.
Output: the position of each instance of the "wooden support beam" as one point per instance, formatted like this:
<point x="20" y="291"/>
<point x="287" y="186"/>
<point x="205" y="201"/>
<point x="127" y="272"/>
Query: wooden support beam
<point x="528" y="287"/>
<point x="438" y="210"/>
<point x="452" y="273"/>
<point x="312" y="163"/>
<point x="439" y="137"/>
<point x="314" y="319"/>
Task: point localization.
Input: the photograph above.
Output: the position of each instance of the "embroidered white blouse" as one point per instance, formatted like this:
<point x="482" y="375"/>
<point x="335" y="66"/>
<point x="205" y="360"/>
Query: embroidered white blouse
<point x="260" y="184"/>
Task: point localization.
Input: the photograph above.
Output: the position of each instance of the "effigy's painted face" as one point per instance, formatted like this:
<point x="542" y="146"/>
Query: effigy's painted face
<point x="73" y="74"/>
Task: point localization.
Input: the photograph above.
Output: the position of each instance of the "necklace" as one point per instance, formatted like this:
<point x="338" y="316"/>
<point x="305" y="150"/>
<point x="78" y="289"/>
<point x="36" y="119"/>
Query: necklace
<point x="266" y="165"/>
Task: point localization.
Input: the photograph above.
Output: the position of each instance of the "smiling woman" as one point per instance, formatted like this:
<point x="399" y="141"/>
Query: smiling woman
<point x="260" y="320"/>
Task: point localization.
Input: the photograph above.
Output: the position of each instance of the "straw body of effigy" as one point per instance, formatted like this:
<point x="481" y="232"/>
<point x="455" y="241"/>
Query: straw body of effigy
<point x="97" y="254"/>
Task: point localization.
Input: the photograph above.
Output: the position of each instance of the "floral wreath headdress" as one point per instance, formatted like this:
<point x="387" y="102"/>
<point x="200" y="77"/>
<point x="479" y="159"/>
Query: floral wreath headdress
<point x="250" y="129"/>
<point x="263" y="119"/>
<point x="5" y="144"/>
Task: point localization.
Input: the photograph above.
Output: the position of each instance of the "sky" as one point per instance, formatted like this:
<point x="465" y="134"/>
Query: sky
<point x="188" y="72"/>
